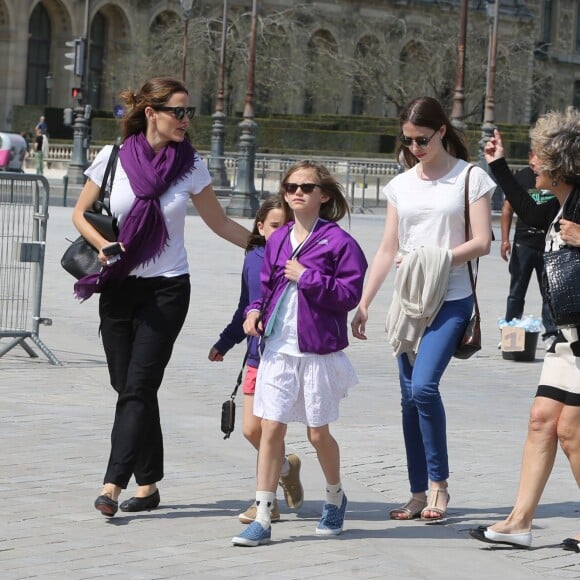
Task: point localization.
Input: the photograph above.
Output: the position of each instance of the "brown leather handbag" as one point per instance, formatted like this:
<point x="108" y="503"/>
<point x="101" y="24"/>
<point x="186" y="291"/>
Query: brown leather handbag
<point x="470" y="342"/>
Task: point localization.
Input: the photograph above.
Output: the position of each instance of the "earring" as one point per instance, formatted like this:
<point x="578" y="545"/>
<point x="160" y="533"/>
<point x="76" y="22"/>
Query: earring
<point x="554" y="183"/>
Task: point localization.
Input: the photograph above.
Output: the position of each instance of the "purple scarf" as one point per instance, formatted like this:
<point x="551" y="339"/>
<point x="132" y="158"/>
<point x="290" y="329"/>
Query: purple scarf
<point x="143" y="231"/>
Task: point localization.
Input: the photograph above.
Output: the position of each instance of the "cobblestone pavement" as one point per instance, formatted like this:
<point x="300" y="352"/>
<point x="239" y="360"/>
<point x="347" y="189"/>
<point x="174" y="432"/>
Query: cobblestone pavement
<point x="55" y="424"/>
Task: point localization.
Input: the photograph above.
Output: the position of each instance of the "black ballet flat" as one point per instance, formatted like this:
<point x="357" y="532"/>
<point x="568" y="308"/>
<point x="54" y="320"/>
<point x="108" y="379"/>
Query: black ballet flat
<point x="107" y="506"/>
<point x="140" y="504"/>
<point x="571" y="545"/>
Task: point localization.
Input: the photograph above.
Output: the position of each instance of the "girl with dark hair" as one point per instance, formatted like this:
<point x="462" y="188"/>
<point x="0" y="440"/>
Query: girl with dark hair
<point x="312" y="277"/>
<point x="144" y="295"/>
<point x="426" y="216"/>
<point x="269" y="218"/>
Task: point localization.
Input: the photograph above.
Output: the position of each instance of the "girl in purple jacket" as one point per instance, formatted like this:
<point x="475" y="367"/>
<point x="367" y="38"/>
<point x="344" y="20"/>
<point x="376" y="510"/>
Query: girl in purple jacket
<point x="312" y="276"/>
<point x="269" y="217"/>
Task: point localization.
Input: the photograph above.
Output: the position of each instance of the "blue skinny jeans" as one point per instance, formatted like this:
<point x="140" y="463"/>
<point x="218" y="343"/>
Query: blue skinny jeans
<point x="424" y="423"/>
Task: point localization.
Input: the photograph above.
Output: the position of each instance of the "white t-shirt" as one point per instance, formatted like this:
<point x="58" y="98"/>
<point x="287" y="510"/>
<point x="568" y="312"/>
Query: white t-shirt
<point x="284" y="335"/>
<point x="431" y="213"/>
<point x="173" y="259"/>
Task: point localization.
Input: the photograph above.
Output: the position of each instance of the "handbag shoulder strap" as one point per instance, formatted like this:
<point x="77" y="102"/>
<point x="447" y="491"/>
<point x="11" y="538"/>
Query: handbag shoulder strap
<point x="109" y="170"/>
<point x="240" y="375"/>
<point x="467" y="228"/>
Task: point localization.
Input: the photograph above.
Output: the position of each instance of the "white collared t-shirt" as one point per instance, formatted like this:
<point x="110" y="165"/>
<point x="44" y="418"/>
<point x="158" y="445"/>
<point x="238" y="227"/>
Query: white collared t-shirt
<point x="431" y="213"/>
<point x="173" y="259"/>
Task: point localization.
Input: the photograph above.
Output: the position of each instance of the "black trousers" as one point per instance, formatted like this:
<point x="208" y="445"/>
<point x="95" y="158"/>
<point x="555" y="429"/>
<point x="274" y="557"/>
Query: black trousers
<point x="140" y="321"/>
<point x="524" y="260"/>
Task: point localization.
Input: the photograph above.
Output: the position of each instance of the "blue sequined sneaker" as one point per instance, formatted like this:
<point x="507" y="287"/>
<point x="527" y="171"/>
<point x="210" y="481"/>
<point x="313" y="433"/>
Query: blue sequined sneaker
<point x="332" y="519"/>
<point x="253" y="536"/>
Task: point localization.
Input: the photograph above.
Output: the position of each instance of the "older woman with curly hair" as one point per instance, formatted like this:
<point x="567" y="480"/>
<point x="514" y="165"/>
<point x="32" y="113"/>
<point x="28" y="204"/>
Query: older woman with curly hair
<point x="555" y="413"/>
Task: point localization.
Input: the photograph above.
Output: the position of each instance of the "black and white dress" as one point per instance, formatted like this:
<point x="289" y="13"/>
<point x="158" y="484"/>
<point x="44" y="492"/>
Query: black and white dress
<point x="560" y="376"/>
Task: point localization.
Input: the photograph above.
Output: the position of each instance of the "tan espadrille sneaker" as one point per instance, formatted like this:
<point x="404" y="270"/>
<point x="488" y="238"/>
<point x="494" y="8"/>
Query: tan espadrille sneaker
<point x="293" y="491"/>
<point x="249" y="515"/>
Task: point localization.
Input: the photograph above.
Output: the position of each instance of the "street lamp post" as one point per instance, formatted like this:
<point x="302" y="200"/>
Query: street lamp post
<point x="457" y="112"/>
<point x="187" y="13"/>
<point x="81" y="114"/>
<point x="488" y="125"/>
<point x="216" y="165"/>
<point x="79" y="159"/>
<point x="244" y="199"/>
<point x="489" y="106"/>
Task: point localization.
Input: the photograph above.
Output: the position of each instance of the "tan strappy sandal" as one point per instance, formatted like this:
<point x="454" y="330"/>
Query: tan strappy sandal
<point x="433" y="507"/>
<point x="408" y="511"/>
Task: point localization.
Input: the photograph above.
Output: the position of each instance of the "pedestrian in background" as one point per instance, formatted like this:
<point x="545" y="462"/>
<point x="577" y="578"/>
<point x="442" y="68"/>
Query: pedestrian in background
<point x="312" y="277"/>
<point x="41" y="125"/>
<point x="525" y="256"/>
<point x="145" y="294"/>
<point x="426" y="217"/>
<point x="269" y="218"/>
<point x="38" y="148"/>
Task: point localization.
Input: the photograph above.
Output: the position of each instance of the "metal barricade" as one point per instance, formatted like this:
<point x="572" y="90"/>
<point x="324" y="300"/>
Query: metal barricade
<point x="23" y="217"/>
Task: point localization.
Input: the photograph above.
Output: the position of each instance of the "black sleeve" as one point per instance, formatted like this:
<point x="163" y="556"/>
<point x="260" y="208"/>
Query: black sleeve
<point x="538" y="216"/>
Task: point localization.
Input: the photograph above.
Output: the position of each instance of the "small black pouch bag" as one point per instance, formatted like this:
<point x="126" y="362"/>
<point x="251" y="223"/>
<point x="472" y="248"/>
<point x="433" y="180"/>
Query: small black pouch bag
<point x="228" y="417"/>
<point x="229" y="406"/>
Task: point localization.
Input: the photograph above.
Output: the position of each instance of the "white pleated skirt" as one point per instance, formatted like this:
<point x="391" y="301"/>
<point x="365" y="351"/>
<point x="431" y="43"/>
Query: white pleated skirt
<point x="305" y="389"/>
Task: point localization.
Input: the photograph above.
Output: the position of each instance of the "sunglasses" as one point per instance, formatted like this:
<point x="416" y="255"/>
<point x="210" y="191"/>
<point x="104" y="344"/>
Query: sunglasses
<point x="419" y="141"/>
<point x="179" y="112"/>
<point x="305" y="187"/>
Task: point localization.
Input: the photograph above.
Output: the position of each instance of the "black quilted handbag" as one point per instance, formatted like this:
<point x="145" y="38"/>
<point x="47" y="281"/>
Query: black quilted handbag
<point x="80" y="258"/>
<point x="562" y="285"/>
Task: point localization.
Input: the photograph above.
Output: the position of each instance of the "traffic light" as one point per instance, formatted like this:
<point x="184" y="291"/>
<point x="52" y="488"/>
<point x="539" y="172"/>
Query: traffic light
<point x="77" y="93"/>
<point x="77" y="56"/>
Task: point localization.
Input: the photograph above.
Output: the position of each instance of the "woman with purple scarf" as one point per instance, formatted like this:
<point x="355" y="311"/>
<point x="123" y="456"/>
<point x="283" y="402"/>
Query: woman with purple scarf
<point x="144" y="295"/>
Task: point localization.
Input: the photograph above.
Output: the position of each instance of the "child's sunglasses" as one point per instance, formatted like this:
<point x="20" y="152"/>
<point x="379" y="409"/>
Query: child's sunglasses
<point x="179" y="112"/>
<point x="305" y="187"/>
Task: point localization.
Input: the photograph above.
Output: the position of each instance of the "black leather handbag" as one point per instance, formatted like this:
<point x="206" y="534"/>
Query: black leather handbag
<point x="561" y="283"/>
<point x="80" y="258"/>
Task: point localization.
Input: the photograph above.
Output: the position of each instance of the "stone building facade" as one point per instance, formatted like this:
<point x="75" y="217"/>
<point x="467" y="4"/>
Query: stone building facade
<point x="331" y="56"/>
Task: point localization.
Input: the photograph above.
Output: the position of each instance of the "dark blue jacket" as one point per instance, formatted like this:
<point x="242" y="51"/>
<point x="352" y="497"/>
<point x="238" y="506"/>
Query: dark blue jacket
<point x="233" y="333"/>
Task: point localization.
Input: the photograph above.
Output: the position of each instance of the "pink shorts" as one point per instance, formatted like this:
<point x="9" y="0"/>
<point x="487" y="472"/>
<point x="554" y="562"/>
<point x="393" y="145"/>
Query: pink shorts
<point x="249" y="383"/>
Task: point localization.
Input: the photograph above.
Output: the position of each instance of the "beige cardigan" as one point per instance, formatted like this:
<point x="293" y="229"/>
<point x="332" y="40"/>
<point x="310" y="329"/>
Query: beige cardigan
<point x="420" y="288"/>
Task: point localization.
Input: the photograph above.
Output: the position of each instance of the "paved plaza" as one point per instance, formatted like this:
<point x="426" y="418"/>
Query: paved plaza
<point x="55" y="423"/>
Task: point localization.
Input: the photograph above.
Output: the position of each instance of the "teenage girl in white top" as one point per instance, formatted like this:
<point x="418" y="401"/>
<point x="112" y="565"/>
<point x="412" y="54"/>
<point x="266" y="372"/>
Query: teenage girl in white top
<point x="426" y="208"/>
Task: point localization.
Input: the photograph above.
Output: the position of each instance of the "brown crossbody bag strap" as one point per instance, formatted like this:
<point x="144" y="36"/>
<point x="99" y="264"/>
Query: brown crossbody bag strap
<point x="472" y="278"/>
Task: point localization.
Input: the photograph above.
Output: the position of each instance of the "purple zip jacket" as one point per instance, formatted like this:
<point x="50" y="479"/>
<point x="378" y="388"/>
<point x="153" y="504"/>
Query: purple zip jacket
<point x="328" y="289"/>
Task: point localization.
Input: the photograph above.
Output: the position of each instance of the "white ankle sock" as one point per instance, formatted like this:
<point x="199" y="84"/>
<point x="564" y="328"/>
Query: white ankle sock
<point x="334" y="493"/>
<point x="285" y="468"/>
<point x="264" y="501"/>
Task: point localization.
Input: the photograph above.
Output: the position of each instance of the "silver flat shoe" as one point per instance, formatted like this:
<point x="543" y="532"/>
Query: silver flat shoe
<point x="485" y="534"/>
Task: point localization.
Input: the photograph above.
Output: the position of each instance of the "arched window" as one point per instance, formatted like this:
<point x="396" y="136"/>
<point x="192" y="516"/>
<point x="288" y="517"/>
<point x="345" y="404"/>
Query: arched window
<point x="322" y="82"/>
<point x="37" y="67"/>
<point x="576" y="97"/>
<point x="165" y="51"/>
<point x="367" y="55"/>
<point x="97" y="58"/>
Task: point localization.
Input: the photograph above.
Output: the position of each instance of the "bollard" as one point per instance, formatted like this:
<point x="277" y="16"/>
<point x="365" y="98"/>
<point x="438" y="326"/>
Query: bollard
<point x="64" y="189"/>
